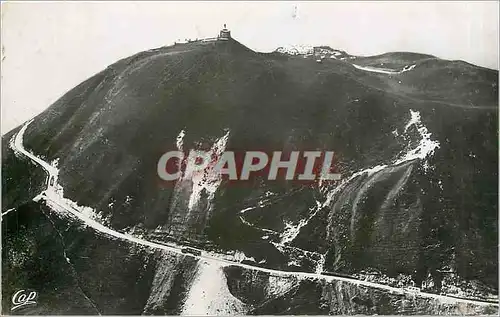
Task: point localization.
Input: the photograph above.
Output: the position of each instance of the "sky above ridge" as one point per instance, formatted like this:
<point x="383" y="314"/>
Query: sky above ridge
<point x="50" y="47"/>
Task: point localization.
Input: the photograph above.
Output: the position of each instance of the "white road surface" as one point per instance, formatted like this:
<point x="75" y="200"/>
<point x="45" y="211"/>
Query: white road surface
<point x="383" y="70"/>
<point x="52" y="197"/>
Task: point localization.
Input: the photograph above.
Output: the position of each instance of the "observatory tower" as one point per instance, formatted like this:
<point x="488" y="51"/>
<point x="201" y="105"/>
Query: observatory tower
<point x="224" y="34"/>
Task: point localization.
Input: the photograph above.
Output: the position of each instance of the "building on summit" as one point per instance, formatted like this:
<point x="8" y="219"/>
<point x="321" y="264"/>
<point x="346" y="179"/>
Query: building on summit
<point x="224" y="34"/>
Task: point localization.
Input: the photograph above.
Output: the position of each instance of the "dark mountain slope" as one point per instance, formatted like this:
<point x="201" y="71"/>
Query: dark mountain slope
<point x="77" y="271"/>
<point x="392" y="59"/>
<point x="414" y="218"/>
<point x="21" y="179"/>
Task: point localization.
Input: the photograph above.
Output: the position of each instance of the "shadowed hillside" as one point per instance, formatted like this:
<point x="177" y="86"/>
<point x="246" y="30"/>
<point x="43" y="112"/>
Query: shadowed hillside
<point x="417" y="150"/>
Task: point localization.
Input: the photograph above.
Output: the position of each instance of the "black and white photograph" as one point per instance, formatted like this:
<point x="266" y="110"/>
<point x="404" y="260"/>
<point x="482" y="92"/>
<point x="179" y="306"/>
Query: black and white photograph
<point x="249" y="158"/>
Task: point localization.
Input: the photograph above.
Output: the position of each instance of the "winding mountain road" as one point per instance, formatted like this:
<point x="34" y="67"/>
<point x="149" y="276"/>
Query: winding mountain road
<point x="384" y="70"/>
<point x="52" y="196"/>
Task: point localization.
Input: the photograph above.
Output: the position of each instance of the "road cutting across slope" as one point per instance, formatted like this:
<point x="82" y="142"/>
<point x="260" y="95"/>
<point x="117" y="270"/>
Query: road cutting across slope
<point x="384" y="70"/>
<point x="52" y="196"/>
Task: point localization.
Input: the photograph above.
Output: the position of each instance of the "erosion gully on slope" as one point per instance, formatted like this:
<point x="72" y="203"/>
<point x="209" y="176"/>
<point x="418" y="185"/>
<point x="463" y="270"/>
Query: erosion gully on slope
<point x="54" y="198"/>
